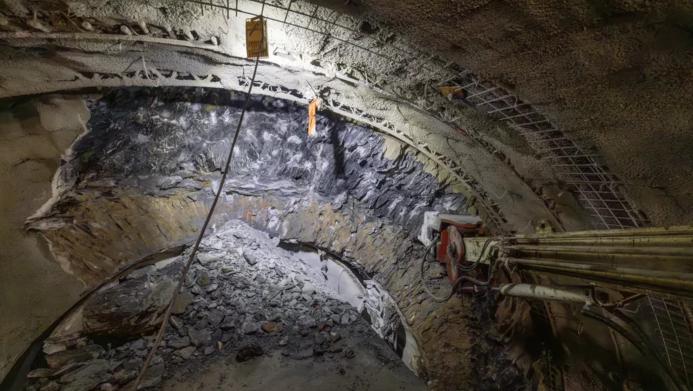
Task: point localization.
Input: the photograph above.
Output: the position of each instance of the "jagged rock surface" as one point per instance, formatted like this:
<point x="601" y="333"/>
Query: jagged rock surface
<point x="166" y="141"/>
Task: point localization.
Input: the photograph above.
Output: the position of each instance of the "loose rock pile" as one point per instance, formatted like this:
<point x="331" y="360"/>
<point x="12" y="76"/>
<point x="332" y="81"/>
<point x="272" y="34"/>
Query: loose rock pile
<point x="243" y="297"/>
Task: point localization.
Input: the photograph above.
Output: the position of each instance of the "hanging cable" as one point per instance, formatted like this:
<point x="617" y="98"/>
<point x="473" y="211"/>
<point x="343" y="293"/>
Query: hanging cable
<point x="439" y="299"/>
<point x="468" y="268"/>
<point x="191" y="259"/>
<point x="460" y="279"/>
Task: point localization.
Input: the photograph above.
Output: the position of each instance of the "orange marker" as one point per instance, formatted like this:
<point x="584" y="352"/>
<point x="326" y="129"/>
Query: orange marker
<point x="312" y="111"/>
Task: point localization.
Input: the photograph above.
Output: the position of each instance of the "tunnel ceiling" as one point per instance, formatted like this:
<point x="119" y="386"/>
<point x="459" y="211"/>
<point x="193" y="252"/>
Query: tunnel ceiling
<point x="553" y="127"/>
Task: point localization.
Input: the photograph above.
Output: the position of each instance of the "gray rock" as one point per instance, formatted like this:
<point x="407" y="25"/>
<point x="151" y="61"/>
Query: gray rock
<point x="185" y="353"/>
<point x="128" y="309"/>
<point x="181" y="303"/>
<point x="206" y="258"/>
<point x="138" y="344"/>
<point x="228" y="323"/>
<point x="320" y="338"/>
<point x="177" y="342"/>
<point x="211" y="288"/>
<point x="303" y="353"/>
<point x="250" y="327"/>
<point x="51" y="386"/>
<point x="199" y="337"/>
<point x="66" y="357"/>
<point x="87" y="377"/>
<point x="307" y="322"/>
<point x="143" y="271"/>
<point x="274" y="316"/>
<point x="154" y="374"/>
<point x="214" y="318"/>
<point x="226" y="337"/>
<point x="345" y="318"/>
<point x="203" y="279"/>
<point x="202" y="323"/>
<point x="40" y="373"/>
<point x="170" y="182"/>
<point x="250" y="257"/>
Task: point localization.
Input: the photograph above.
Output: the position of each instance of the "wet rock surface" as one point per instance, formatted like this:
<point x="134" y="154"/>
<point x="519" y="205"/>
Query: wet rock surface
<point x="275" y="307"/>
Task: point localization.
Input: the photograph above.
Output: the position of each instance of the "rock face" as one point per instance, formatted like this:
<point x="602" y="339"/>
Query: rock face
<point x="142" y="180"/>
<point x="171" y="143"/>
<point x="160" y="165"/>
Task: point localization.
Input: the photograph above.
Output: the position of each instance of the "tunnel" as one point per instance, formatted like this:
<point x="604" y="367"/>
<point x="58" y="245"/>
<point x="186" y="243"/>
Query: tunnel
<point x="347" y="195"/>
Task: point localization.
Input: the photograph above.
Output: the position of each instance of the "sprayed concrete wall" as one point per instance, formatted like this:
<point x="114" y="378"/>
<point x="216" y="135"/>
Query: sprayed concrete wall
<point x="34" y="291"/>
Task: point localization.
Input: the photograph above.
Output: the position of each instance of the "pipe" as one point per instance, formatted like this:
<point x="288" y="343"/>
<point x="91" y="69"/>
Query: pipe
<point x="613" y="233"/>
<point x="589" y="249"/>
<point x="629" y="241"/>
<point x="648" y="279"/>
<point x="540" y="292"/>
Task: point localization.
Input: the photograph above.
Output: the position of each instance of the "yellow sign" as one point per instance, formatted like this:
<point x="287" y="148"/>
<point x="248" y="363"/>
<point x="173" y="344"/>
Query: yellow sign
<point x="256" y="37"/>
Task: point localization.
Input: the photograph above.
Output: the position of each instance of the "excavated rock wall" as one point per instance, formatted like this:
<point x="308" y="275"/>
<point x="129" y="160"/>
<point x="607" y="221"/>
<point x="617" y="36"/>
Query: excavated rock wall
<point x="161" y="153"/>
<point x="142" y="181"/>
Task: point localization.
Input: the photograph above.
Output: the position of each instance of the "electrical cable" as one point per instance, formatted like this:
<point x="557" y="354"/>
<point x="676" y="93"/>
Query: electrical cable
<point x="460" y="279"/>
<point x="467" y="269"/>
<point x="186" y="267"/>
<point x="439" y="299"/>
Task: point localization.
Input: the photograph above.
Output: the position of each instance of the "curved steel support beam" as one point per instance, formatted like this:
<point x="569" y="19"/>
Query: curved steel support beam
<point x="74" y="68"/>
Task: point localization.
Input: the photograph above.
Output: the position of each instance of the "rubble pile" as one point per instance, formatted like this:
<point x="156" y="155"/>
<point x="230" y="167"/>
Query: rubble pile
<point x="244" y="297"/>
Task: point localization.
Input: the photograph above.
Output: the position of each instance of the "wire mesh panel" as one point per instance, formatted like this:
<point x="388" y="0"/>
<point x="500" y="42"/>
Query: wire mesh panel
<point x="595" y="188"/>
<point x="675" y="337"/>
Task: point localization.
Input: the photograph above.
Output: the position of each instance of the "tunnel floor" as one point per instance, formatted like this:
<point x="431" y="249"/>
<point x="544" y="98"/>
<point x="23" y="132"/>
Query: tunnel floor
<point x="251" y="315"/>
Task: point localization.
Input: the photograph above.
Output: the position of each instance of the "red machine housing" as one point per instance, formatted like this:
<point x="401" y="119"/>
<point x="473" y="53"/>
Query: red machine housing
<point x="451" y="250"/>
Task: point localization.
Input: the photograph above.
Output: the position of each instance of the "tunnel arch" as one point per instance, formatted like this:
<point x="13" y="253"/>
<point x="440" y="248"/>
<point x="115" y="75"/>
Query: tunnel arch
<point x="568" y="203"/>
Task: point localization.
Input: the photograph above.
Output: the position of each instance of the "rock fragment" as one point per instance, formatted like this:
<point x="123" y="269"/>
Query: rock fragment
<point x="250" y="257"/>
<point x="185" y="353"/>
